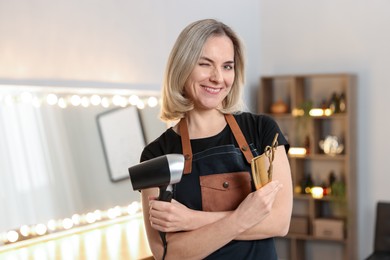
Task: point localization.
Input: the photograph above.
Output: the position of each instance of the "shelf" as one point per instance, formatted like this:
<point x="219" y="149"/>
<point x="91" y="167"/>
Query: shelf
<point x="314" y="217"/>
<point x="309" y="197"/>
<point x="310" y="238"/>
<point x="319" y="157"/>
<point x="340" y="116"/>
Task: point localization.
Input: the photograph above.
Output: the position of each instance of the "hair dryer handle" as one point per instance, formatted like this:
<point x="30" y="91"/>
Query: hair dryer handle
<point x="165" y="194"/>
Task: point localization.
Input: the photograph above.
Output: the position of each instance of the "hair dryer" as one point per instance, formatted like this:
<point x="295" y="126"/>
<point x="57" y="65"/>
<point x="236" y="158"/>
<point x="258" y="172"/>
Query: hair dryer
<point x="161" y="172"/>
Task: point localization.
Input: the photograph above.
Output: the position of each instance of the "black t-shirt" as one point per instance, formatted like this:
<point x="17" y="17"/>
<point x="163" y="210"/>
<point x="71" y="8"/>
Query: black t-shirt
<point x="259" y="131"/>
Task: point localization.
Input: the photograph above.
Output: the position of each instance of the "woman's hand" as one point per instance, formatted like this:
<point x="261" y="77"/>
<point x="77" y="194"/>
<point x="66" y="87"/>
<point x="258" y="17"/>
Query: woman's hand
<point x="257" y="205"/>
<point x="170" y="217"/>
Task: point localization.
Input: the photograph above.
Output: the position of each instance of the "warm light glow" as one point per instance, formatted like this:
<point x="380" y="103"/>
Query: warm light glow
<point x="316" y="112"/>
<point x="133" y="100"/>
<point x="90" y="218"/>
<point x="76" y="219"/>
<point x="52" y="225"/>
<point x="68" y="98"/>
<point x="95" y="100"/>
<point x="133" y="208"/>
<point x="297" y="112"/>
<point x="40" y="229"/>
<point x="114" y="212"/>
<point x="98" y="214"/>
<point x="152" y="101"/>
<point x="297" y="151"/>
<point x="25" y="230"/>
<point x="67" y="223"/>
<point x="317" y="192"/>
<point x="118" y="211"/>
<point x="140" y="104"/>
<point x="105" y="102"/>
<point x="75" y="100"/>
<point x="328" y="112"/>
<point x="12" y="236"/>
<point x="118" y="100"/>
<point x="85" y="101"/>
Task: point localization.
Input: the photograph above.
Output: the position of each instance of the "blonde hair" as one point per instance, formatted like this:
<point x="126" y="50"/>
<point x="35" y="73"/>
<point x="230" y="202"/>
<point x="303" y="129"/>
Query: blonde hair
<point x="182" y="60"/>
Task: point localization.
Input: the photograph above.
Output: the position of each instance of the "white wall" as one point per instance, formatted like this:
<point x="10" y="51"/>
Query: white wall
<point x="117" y="41"/>
<point x="308" y="36"/>
<point x="126" y="41"/>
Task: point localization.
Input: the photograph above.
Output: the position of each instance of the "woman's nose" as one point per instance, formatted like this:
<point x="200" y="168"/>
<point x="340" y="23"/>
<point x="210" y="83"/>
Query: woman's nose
<point x="216" y="75"/>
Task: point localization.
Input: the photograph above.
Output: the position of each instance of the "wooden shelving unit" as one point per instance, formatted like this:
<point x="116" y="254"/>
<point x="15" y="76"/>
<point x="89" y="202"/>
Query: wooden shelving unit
<point x="318" y="220"/>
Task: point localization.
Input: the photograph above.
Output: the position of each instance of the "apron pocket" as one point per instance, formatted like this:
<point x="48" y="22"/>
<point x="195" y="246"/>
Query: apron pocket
<point x="224" y="191"/>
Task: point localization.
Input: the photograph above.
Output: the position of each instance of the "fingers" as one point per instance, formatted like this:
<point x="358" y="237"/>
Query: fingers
<point x="272" y="187"/>
<point x="162" y="220"/>
<point x="152" y="197"/>
<point x="258" y="205"/>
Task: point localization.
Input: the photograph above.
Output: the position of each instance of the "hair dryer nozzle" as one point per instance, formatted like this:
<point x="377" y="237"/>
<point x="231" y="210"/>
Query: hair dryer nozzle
<point x="157" y="172"/>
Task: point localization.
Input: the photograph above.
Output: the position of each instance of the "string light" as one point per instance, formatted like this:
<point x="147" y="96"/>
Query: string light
<point x="152" y="101"/>
<point x="12" y="236"/>
<point x="75" y="100"/>
<point x="96" y="100"/>
<point x="133" y="100"/>
<point x="65" y="100"/>
<point x="25" y="230"/>
<point x="76" y="219"/>
<point x="90" y="218"/>
<point x="40" y="229"/>
<point x="67" y="223"/>
<point x="52" y="99"/>
<point x="53" y="226"/>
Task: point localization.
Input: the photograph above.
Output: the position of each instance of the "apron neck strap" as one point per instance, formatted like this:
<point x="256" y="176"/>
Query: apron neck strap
<point x="186" y="143"/>
<point x="244" y="147"/>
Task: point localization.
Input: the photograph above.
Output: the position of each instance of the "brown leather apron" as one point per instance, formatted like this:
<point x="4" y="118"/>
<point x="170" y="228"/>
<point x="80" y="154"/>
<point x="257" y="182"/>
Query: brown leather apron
<point x="221" y="191"/>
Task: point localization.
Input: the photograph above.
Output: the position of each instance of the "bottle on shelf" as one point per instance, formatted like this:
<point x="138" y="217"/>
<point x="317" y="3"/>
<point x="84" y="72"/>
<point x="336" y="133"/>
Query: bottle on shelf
<point x="334" y="103"/>
<point x="342" y="103"/>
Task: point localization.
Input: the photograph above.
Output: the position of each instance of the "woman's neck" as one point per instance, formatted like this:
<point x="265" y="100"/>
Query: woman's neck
<point x="205" y="124"/>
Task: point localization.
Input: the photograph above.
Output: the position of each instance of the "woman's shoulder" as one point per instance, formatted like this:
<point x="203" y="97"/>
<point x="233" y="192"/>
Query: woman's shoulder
<point x="161" y="145"/>
<point x="251" y="119"/>
<point x="259" y="128"/>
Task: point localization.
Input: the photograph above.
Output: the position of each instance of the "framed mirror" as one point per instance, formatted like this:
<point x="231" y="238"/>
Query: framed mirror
<point x="52" y="159"/>
<point x="123" y="139"/>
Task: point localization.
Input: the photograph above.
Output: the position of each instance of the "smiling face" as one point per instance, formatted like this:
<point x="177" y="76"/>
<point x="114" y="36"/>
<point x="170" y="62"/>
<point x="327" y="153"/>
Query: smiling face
<point x="213" y="75"/>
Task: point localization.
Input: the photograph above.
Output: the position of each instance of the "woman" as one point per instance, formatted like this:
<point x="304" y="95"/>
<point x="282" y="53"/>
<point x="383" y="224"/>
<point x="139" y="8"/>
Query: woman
<point x="216" y="213"/>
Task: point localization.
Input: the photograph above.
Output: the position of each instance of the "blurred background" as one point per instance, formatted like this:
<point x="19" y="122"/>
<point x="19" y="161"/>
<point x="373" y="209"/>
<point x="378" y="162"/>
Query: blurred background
<point x="110" y="47"/>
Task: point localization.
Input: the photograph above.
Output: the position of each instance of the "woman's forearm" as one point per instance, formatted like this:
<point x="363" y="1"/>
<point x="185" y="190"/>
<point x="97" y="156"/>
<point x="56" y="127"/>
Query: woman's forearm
<point x="199" y="243"/>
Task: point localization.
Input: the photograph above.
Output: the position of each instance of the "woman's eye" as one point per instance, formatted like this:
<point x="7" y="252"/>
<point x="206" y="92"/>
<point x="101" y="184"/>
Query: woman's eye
<point x="228" y="67"/>
<point x="204" y="64"/>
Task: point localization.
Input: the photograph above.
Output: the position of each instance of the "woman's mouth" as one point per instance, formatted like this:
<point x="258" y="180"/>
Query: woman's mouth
<point x="212" y="90"/>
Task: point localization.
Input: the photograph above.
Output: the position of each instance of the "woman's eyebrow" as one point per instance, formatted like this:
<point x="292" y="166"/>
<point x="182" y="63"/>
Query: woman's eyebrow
<point x="210" y="60"/>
